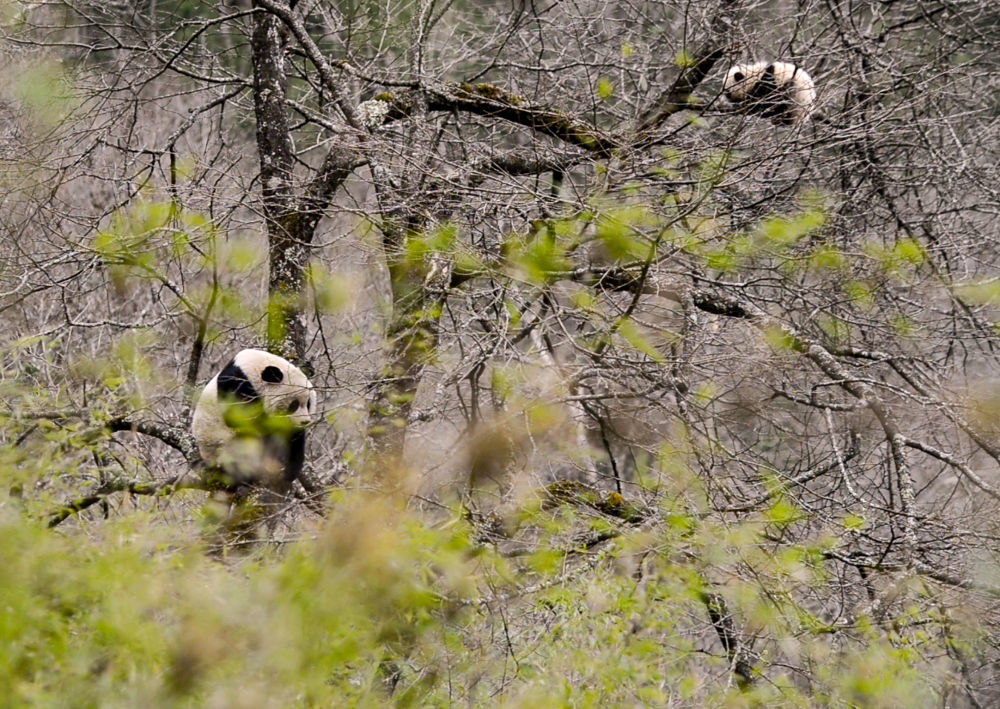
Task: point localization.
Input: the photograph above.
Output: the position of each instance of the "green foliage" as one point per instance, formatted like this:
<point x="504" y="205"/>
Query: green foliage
<point x="146" y="238"/>
<point x="425" y="254"/>
<point x="619" y="232"/>
<point x="112" y="619"/>
<point x="605" y="89"/>
<point x="439" y="240"/>
<point x="979" y="293"/>
<point x="853" y="522"/>
<point x="250" y="420"/>
<point x="333" y="292"/>
<point x="684" y="60"/>
<point x="538" y="258"/>
<point x="825" y="257"/>
<point x="786" y="231"/>
<point x="836" y="330"/>
<point x="635" y="338"/>
<point x="45" y="90"/>
<point x="898" y="260"/>
<point x="860" y="294"/>
<point x="779" y="340"/>
<point x="776" y="240"/>
<point x="782" y="513"/>
<point x="136" y="612"/>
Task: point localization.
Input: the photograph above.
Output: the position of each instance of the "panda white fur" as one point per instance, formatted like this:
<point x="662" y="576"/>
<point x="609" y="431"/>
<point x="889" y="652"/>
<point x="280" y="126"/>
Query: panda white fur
<point x="250" y="420"/>
<point x="780" y="91"/>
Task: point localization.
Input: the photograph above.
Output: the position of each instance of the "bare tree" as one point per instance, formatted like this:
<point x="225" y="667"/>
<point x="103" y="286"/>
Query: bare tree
<point x="565" y="260"/>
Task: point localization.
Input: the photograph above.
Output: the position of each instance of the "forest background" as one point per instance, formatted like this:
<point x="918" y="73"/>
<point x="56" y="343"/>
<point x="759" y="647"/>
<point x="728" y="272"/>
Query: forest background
<point x="628" y="398"/>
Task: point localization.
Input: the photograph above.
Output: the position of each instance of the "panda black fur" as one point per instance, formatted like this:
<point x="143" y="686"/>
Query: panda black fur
<point x="250" y="420"/>
<point x="781" y="91"/>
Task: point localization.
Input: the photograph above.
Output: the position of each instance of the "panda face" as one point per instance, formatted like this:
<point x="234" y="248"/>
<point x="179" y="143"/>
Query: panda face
<point x="740" y="81"/>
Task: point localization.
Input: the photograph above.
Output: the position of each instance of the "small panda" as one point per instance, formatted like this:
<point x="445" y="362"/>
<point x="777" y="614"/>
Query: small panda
<point x="250" y="420"/>
<point x="780" y="91"/>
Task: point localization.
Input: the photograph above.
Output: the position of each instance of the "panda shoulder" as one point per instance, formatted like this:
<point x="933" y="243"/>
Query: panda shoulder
<point x="786" y="73"/>
<point x="206" y="422"/>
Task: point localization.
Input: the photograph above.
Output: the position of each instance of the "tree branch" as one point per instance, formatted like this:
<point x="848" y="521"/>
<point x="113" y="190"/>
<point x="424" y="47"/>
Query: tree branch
<point x="740" y="657"/>
<point x="176" y="438"/>
<point x="491" y="101"/>
<point x="696" y="68"/>
<point x="114" y="485"/>
<point x="721" y="304"/>
<point x="329" y="78"/>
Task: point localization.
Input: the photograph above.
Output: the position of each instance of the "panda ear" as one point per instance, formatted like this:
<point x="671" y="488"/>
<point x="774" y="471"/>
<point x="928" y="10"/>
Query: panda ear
<point x="767" y="82"/>
<point x="272" y="375"/>
<point x="232" y="381"/>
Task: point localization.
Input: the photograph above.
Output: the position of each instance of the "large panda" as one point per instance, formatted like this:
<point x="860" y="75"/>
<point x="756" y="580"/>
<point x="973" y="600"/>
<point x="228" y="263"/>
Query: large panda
<point x="250" y="421"/>
<point x="780" y="91"/>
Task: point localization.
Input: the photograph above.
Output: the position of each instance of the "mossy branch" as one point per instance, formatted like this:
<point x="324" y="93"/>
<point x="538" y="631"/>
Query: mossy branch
<point x="576" y="493"/>
<point x="133" y="487"/>
<point x="738" y="651"/>
<point x="177" y="438"/>
<point x="491" y="101"/>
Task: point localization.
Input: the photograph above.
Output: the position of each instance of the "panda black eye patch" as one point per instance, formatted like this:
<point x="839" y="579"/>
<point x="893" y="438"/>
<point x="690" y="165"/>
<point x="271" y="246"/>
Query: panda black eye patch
<point x="738" y="76"/>
<point x="272" y="374"/>
<point x="233" y="382"/>
<point x="294" y="406"/>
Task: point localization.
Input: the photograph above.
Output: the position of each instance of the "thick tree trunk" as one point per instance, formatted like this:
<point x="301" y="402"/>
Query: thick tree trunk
<point x="418" y="293"/>
<point x="291" y="211"/>
<point x="288" y="251"/>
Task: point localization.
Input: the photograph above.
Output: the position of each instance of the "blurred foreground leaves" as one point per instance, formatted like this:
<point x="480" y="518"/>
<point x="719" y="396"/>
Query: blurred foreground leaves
<point x="131" y="613"/>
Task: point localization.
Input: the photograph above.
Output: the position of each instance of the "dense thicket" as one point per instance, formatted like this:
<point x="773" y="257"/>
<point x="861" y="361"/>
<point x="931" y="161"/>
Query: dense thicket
<point x="630" y="397"/>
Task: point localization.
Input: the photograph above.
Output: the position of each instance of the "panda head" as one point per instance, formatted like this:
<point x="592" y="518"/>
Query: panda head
<point x="256" y="394"/>
<point x="275" y="384"/>
<point x="742" y="80"/>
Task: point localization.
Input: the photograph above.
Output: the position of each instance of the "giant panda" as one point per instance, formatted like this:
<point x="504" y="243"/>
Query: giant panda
<point x="781" y="91"/>
<point x="250" y="420"/>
